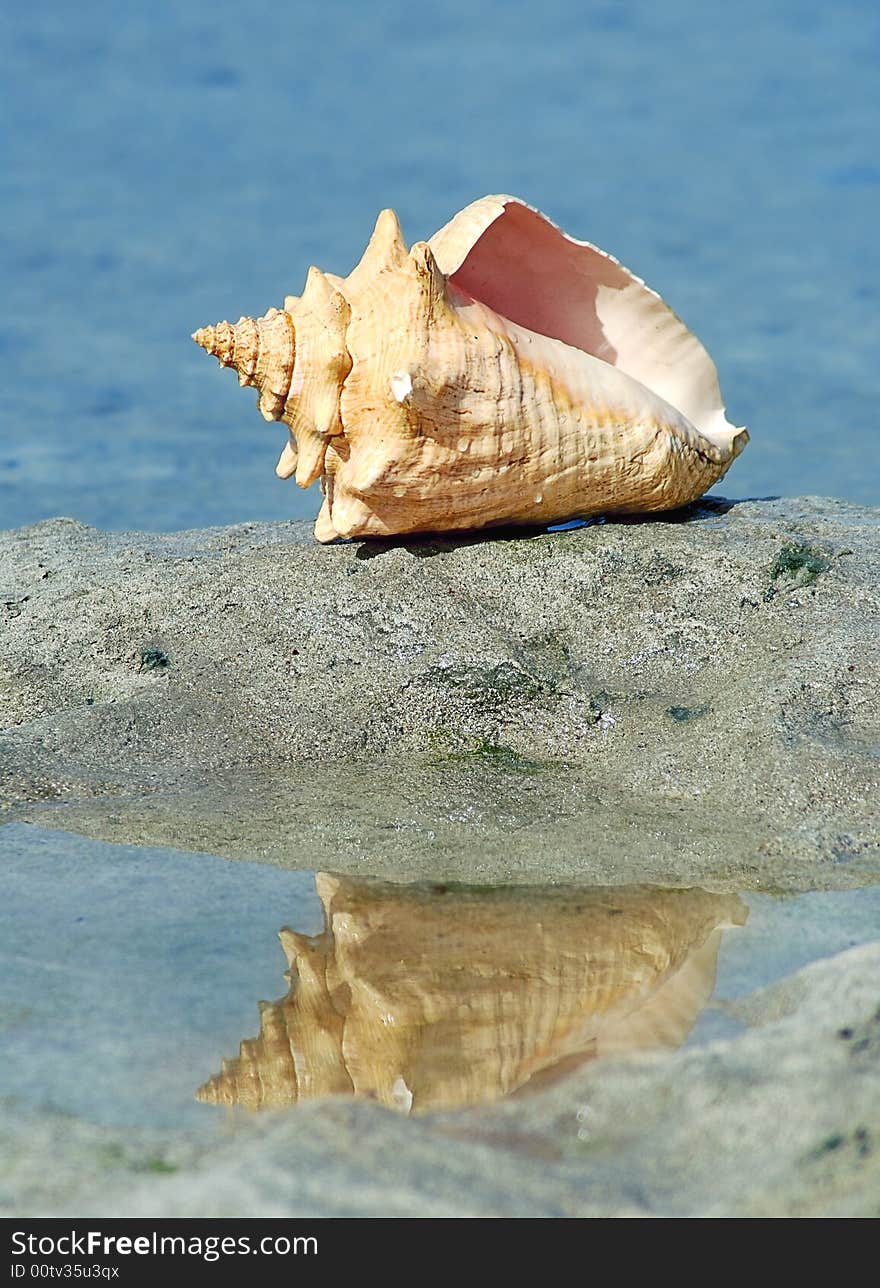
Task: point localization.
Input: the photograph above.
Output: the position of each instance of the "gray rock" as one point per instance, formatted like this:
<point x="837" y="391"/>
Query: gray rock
<point x="691" y="700"/>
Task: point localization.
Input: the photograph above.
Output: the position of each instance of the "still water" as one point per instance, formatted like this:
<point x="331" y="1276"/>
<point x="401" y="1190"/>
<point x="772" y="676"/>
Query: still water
<point x="132" y="976"/>
<point x="165" y="165"/>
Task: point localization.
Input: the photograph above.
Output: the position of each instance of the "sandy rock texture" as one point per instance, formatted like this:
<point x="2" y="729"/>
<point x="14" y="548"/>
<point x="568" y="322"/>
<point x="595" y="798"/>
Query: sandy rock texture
<point x="691" y="700"/>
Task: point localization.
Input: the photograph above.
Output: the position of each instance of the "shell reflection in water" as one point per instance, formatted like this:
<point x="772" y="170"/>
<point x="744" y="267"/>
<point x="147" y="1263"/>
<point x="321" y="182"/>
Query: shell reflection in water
<point x="433" y="997"/>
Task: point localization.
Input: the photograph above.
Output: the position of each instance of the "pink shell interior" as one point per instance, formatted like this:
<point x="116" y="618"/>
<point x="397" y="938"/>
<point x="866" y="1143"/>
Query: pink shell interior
<point x="515" y="260"/>
<point x="527" y="270"/>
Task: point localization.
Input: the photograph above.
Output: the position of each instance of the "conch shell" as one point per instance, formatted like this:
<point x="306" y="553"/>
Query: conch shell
<point x="423" y="998"/>
<point x="500" y="373"/>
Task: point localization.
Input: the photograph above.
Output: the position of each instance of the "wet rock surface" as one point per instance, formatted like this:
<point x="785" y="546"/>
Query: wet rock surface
<point x="694" y="697"/>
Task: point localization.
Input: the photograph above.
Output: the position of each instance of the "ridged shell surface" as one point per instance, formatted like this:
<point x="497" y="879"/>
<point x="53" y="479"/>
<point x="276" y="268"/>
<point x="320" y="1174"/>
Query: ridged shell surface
<point x="502" y="373"/>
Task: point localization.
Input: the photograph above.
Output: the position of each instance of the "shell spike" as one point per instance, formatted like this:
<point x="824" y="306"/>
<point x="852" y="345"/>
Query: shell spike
<point x="324" y="528"/>
<point x="287" y="460"/>
<point x="310" y="457"/>
<point x="327" y="885"/>
<point x="294" y="944"/>
<point x="320" y="293"/>
<point x="387" y="237"/>
<point x="386" y="251"/>
<point x="431" y="279"/>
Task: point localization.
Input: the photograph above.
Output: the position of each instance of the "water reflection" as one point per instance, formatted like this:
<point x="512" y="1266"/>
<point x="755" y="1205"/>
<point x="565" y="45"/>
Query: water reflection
<point x="435" y="996"/>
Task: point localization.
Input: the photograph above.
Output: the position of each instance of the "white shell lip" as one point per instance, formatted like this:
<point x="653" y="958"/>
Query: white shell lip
<point x="401" y="385"/>
<point x="509" y="256"/>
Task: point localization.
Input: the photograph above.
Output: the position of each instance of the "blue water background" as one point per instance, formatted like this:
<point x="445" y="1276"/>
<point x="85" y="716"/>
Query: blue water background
<point x="165" y="165"/>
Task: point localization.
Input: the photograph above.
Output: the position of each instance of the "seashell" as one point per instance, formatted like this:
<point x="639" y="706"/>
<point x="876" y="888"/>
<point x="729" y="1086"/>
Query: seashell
<point x="500" y="373"/>
<point x="424" y="1000"/>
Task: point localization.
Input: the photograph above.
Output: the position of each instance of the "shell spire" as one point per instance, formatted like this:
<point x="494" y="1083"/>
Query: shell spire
<point x="262" y="351"/>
